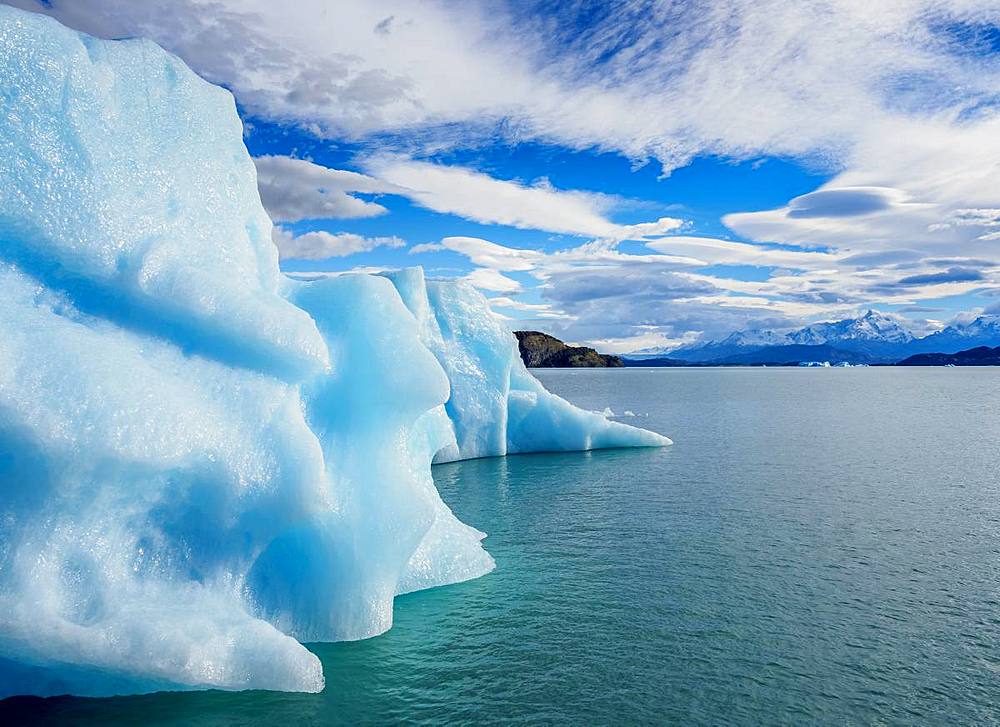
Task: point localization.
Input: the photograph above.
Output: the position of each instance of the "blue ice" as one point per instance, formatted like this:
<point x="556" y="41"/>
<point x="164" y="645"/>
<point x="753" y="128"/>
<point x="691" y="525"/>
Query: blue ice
<point x="202" y="462"/>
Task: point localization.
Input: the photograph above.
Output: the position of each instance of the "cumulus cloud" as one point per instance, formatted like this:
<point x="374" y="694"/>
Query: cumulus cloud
<point x="642" y="340"/>
<point x="322" y="245"/>
<point x="296" y="189"/>
<point x="598" y="294"/>
<point x="426" y="247"/>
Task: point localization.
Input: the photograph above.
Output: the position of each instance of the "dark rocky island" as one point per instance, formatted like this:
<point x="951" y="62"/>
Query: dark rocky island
<point x="979" y="356"/>
<point x="542" y="351"/>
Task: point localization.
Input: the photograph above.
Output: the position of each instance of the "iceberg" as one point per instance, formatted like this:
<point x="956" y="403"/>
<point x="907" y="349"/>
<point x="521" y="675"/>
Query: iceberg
<point x="204" y="463"/>
<point x="496" y="405"/>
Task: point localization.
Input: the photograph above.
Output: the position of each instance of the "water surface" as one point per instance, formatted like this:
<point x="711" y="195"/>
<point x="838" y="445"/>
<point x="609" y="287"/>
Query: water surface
<point x="818" y="545"/>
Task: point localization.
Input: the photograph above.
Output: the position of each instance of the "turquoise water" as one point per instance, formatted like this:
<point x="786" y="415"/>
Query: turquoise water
<point x="818" y="546"/>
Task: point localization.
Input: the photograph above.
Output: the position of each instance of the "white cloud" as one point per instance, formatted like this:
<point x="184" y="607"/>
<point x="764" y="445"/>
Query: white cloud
<point x="493" y="281"/>
<point x="591" y="291"/>
<point x="710" y="251"/>
<point x="426" y="247"/>
<point x="479" y="197"/>
<point x="296" y="189"/>
<point x="506" y="302"/>
<point x="640" y="341"/>
<point x="879" y="92"/>
<point x="597" y="294"/>
<point x="976" y="217"/>
<point x="491" y="255"/>
<point x="540" y="206"/>
<point x="944" y="184"/>
<point x="652" y="79"/>
<point x="322" y="245"/>
<point x="647" y="230"/>
<point x="323" y="274"/>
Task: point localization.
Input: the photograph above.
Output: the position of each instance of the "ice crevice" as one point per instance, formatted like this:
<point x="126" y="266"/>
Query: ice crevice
<point x="203" y="462"/>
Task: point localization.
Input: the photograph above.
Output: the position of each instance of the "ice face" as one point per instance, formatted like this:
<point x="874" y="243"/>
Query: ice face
<point x="203" y="462"/>
<point x="108" y="150"/>
<point x="496" y="405"/>
<point x="377" y="417"/>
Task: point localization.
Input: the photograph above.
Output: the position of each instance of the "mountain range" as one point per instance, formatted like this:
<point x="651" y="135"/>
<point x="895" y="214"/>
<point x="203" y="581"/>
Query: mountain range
<point x="871" y="338"/>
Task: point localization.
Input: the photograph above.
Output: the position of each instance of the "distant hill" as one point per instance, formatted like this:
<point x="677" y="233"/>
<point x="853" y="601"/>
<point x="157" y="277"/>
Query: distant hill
<point x="540" y="350"/>
<point x="978" y="356"/>
<point x="656" y="362"/>
<point x="788" y="355"/>
<point x="794" y="354"/>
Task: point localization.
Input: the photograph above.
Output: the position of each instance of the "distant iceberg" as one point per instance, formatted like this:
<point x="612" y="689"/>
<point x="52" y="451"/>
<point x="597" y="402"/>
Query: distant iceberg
<point x="202" y="461"/>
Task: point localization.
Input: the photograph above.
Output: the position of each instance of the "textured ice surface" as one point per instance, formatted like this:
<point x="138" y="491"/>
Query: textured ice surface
<point x="496" y="405"/>
<point x="203" y="462"/>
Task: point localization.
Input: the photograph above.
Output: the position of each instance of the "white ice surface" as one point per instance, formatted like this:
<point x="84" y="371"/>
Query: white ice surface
<point x="203" y="462"/>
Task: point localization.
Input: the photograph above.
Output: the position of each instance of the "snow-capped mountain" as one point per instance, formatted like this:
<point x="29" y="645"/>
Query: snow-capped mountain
<point x="873" y="338"/>
<point x="983" y="331"/>
<point x="734" y="342"/>
<point x="731" y="345"/>
<point x="872" y="326"/>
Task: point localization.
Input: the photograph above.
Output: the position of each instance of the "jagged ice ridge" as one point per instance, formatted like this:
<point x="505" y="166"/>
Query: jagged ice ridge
<point x="202" y="461"/>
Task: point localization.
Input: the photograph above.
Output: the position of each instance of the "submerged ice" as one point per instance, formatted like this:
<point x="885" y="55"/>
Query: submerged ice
<point x="203" y="462"/>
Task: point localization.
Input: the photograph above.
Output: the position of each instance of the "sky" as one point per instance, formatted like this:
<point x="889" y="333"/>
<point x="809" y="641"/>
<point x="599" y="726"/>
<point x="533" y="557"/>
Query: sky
<point x="625" y="174"/>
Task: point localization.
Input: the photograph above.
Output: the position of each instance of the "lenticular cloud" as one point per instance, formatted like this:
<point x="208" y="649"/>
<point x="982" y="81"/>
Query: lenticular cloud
<point x="203" y="462"/>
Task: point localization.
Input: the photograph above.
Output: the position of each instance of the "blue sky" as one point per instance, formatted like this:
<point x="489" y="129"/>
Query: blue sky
<point x="628" y="174"/>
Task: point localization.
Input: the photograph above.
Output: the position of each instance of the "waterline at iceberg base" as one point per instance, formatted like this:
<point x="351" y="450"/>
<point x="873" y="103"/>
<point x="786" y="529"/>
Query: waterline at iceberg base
<point x="202" y="461"/>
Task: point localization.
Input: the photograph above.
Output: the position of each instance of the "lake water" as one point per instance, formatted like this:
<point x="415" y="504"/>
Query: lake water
<point x="819" y="545"/>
